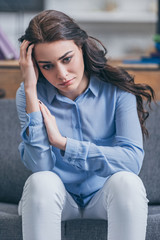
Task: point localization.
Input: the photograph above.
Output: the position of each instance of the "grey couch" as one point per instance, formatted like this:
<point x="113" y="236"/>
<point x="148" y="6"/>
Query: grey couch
<point x="13" y="175"/>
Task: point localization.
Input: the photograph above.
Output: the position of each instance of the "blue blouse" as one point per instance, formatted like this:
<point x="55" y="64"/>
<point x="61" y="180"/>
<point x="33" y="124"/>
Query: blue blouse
<point x="103" y="136"/>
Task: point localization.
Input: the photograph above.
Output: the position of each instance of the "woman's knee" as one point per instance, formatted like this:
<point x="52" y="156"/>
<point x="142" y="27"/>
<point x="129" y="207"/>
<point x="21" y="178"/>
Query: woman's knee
<point x="41" y="184"/>
<point x="126" y="188"/>
<point x="43" y="191"/>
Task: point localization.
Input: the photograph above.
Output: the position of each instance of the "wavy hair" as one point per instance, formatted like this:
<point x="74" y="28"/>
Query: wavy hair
<point x="51" y="25"/>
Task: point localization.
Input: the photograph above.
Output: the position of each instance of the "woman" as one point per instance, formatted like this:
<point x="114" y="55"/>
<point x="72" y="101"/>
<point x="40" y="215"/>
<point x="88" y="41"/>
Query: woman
<point x="82" y="126"/>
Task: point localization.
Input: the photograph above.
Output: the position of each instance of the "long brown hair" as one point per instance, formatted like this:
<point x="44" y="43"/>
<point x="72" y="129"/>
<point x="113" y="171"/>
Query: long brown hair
<point x="51" y="25"/>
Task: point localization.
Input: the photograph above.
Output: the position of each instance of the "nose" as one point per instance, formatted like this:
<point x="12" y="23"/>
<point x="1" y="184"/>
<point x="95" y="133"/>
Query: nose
<point x="62" y="72"/>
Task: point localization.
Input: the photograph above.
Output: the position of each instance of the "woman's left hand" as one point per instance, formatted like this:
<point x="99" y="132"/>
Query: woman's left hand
<point x="54" y="136"/>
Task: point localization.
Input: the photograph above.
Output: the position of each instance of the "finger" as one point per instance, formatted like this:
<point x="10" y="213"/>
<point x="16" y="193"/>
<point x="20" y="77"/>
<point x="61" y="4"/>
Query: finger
<point x="23" y="49"/>
<point x="45" y="108"/>
<point x="42" y="110"/>
<point x="29" y="51"/>
<point x="45" y="115"/>
<point x="45" y="112"/>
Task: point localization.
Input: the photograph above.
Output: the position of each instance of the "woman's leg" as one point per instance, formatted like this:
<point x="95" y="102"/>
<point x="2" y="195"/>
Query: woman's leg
<point x="44" y="197"/>
<point x="122" y="201"/>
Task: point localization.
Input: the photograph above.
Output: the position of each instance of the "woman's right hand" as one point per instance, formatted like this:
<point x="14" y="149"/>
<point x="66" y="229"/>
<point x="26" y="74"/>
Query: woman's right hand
<point x="28" y="66"/>
<point x="30" y="74"/>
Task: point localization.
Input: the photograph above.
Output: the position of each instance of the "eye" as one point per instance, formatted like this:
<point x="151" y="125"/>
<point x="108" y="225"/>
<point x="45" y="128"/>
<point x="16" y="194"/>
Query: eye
<point x="47" y="66"/>
<point x="67" y="59"/>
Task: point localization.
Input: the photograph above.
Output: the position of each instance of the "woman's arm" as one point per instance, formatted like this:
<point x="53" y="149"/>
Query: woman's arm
<point x="29" y="73"/>
<point x="35" y="149"/>
<point x="54" y="136"/>
<point x="126" y="152"/>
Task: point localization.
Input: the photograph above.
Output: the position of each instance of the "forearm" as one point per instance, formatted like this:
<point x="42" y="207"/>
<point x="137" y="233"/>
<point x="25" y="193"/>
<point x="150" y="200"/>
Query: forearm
<point x="54" y="136"/>
<point x="29" y="73"/>
<point x="36" y="152"/>
<point x="37" y="158"/>
<point x="59" y="143"/>
<point x="104" y="160"/>
<point x="32" y="104"/>
<point x="35" y="149"/>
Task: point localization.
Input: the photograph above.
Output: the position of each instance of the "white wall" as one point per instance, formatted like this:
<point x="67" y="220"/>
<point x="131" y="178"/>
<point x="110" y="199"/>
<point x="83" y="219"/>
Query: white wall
<point x="122" y="39"/>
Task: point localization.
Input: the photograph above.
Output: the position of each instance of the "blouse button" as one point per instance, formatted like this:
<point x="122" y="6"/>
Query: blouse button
<point x="77" y="126"/>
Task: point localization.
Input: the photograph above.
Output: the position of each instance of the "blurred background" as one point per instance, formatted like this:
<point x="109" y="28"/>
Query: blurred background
<point x="125" y="27"/>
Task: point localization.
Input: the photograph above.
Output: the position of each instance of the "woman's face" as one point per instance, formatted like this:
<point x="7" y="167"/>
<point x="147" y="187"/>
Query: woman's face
<point x="61" y="63"/>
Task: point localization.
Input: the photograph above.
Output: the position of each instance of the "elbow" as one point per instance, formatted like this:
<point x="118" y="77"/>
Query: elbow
<point x="37" y="167"/>
<point x="137" y="159"/>
<point x="36" y="163"/>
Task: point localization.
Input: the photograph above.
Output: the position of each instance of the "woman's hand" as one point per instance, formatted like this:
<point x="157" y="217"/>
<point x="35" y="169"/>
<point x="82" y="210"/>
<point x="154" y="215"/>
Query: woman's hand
<point x="29" y="72"/>
<point x="54" y="136"/>
<point x="28" y="66"/>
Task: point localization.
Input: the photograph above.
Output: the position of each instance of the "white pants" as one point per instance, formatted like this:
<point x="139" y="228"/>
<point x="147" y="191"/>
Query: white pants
<point x="45" y="203"/>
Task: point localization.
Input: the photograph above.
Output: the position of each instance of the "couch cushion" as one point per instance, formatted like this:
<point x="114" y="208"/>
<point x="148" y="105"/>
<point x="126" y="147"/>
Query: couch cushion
<point x="12" y="172"/>
<point x="150" y="173"/>
<point x="11" y="226"/>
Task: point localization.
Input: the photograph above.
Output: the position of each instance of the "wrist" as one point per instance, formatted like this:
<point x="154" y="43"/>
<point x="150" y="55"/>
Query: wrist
<point x="61" y="143"/>
<point x="31" y="94"/>
<point x="32" y="103"/>
<point x="30" y="89"/>
<point x="64" y="142"/>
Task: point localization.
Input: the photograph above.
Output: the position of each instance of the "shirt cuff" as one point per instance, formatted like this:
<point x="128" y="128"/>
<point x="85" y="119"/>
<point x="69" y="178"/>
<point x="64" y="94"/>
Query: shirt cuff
<point x="76" y="152"/>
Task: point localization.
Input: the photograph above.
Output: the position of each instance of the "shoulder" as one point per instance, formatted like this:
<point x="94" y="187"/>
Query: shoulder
<point x="108" y="90"/>
<point x="112" y="93"/>
<point x="109" y="87"/>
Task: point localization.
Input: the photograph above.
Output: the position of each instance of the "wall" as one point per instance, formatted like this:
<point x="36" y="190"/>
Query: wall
<point x="125" y="34"/>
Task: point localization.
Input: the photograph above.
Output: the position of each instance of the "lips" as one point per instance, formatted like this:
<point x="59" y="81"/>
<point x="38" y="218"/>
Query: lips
<point x="68" y="82"/>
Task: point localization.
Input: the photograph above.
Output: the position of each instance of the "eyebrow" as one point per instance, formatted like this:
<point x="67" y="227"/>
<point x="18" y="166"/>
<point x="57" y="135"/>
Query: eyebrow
<point x="58" y="58"/>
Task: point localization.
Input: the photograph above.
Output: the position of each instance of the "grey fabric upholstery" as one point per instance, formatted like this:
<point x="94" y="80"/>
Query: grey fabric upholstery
<point x="13" y="176"/>
<point x="150" y="172"/>
<point x="12" y="172"/>
<point x="10" y="226"/>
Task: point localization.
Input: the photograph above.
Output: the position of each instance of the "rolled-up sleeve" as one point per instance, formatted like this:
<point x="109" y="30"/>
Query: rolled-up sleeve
<point x="35" y="149"/>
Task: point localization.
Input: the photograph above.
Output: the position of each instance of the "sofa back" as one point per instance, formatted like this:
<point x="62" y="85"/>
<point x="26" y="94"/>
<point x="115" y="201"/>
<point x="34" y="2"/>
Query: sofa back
<point x="12" y="171"/>
<point x="13" y="174"/>
<point x="150" y="172"/>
